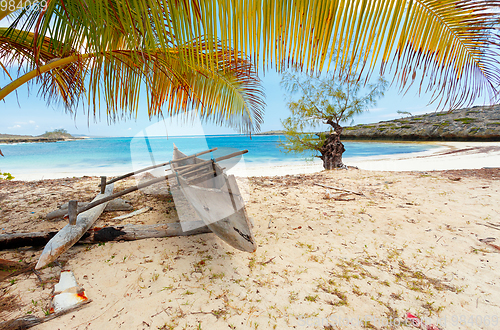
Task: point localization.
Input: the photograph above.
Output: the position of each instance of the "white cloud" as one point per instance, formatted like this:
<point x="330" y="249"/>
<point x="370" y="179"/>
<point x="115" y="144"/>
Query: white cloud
<point x="14" y="127"/>
<point x="129" y="128"/>
<point x="32" y="122"/>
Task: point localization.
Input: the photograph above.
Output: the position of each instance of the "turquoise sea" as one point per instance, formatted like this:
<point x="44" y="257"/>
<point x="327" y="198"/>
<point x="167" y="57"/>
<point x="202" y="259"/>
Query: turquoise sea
<point x="118" y="155"/>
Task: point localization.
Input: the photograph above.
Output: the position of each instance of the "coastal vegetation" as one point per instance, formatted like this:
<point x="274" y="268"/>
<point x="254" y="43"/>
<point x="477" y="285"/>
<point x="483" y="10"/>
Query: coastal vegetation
<point x="55" y="135"/>
<point x="200" y="54"/>
<point x="467" y="124"/>
<point x="324" y="100"/>
<point x="6" y="176"/>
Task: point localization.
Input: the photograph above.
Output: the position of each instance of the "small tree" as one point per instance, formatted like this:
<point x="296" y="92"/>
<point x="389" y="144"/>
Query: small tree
<point x="401" y="112"/>
<point x="324" y="101"/>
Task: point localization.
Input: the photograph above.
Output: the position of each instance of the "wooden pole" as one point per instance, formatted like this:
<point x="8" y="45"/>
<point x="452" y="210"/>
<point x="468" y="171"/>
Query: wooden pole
<point x="103" y="184"/>
<point x="121" y="193"/>
<point x="234" y="154"/>
<point x="72" y="211"/>
<point x="160" y="179"/>
<point x="159" y="165"/>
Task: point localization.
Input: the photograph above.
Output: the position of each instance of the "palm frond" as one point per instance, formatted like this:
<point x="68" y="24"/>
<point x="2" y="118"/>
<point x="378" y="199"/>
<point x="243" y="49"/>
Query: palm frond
<point x="230" y="95"/>
<point x="64" y="83"/>
<point x="227" y="92"/>
<point x="449" y="47"/>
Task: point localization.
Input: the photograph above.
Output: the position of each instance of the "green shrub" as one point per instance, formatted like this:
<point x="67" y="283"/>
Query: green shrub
<point x="443" y="124"/>
<point x="465" y="120"/>
<point x="6" y="176"/>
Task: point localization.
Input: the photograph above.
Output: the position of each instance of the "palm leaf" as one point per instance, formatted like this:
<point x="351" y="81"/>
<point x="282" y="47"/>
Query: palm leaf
<point x="65" y="83"/>
<point x="448" y="47"/>
<point x="226" y="92"/>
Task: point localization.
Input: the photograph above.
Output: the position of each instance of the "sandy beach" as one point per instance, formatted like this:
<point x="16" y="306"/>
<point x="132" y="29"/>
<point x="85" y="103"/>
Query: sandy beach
<point x="398" y="242"/>
<point x="446" y="156"/>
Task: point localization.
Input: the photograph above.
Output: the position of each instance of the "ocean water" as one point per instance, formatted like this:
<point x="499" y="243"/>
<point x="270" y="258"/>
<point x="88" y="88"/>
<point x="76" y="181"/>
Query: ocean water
<point x="114" y="156"/>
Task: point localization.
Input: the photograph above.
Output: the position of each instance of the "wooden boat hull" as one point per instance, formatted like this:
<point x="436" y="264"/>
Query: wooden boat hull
<point x="218" y="202"/>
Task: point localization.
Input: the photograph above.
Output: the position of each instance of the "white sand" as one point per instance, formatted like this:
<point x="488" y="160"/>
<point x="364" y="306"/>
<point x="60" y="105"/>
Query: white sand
<point x="467" y="155"/>
<point x="482" y="154"/>
<point x="411" y="244"/>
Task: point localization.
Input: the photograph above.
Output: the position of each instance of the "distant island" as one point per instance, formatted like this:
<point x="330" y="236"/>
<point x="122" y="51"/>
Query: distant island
<point x="54" y="136"/>
<point x="479" y="123"/>
<point x="275" y="132"/>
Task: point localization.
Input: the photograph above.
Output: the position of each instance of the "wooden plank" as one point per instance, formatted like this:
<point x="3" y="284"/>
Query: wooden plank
<point x="70" y="234"/>
<point x="126" y="232"/>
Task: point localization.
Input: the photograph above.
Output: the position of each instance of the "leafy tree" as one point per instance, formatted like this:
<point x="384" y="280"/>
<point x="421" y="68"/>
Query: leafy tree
<point x="324" y="100"/>
<point x="203" y="54"/>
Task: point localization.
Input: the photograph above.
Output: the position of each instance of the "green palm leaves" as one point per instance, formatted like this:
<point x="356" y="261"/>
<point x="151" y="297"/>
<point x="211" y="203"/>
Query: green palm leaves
<point x="196" y="53"/>
<point x="117" y="53"/>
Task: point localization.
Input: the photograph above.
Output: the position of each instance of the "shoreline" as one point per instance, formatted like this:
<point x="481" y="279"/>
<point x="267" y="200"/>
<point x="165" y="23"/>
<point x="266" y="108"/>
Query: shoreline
<point x="9" y="141"/>
<point x="449" y="156"/>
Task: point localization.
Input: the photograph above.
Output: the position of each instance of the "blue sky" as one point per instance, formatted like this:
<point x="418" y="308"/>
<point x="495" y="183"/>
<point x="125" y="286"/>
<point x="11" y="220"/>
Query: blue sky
<point x="28" y="113"/>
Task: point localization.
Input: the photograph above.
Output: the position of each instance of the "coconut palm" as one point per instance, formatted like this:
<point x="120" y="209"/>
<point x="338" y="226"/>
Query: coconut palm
<point x="108" y="63"/>
<point x="197" y="53"/>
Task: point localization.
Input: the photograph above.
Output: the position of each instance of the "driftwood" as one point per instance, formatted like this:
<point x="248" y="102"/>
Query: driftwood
<point x="113" y="233"/>
<point x="133" y="214"/>
<point x="70" y="234"/>
<point x="340" y="189"/>
<point x="115" y="205"/>
<point x="30" y="321"/>
<point x="136" y="232"/>
<point x="489" y="225"/>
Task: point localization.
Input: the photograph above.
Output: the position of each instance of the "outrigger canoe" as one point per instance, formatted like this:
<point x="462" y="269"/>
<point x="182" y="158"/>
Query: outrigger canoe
<point x="216" y="198"/>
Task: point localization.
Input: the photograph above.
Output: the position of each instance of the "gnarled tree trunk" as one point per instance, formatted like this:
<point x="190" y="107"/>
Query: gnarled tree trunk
<point x="332" y="149"/>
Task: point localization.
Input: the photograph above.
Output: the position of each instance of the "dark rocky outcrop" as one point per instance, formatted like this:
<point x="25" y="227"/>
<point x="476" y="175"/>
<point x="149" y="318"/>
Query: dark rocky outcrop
<point x="469" y="124"/>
